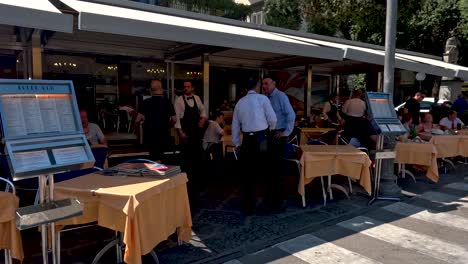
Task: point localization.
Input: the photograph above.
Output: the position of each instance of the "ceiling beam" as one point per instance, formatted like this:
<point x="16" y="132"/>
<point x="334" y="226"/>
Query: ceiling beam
<point x="292" y="61"/>
<point x="190" y="51"/>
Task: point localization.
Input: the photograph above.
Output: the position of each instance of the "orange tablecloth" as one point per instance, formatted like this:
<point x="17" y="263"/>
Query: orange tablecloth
<point x="419" y="154"/>
<point x="10" y="237"/>
<point x="307" y="133"/>
<point x="328" y="160"/>
<point x="146" y="210"/>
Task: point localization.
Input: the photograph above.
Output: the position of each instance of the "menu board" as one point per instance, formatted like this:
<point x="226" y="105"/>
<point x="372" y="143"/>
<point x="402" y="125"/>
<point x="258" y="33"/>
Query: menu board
<point x="381" y="108"/>
<point x="69" y="155"/>
<point x="30" y="160"/>
<point x="29" y="114"/>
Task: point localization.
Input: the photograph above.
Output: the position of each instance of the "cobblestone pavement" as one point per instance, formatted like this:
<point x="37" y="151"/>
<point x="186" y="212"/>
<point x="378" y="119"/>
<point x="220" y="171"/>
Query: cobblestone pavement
<point x="429" y="228"/>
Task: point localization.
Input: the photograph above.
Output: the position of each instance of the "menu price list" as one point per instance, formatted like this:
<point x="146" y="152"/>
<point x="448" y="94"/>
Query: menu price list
<point x="36" y="114"/>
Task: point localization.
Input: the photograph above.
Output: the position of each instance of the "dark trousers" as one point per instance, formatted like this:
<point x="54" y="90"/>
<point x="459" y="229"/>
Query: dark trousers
<point x="254" y="168"/>
<point x="276" y="183"/>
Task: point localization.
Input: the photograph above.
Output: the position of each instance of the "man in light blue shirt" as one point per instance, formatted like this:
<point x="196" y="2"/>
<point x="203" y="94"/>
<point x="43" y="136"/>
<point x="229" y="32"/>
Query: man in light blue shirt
<point x="254" y="117"/>
<point x="284" y="112"/>
<point x="253" y="113"/>
<point x="284" y="127"/>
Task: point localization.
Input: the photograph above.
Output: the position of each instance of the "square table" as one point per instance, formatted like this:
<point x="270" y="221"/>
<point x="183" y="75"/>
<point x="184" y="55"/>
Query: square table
<point x="424" y="154"/>
<point x="314" y="133"/>
<point x="146" y="209"/>
<point x="10" y="236"/>
<point x="328" y="160"/>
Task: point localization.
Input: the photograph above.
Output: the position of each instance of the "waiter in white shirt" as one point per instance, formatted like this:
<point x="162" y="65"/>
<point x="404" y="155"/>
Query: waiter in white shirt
<point x="191" y="117"/>
<point x="254" y="117"/>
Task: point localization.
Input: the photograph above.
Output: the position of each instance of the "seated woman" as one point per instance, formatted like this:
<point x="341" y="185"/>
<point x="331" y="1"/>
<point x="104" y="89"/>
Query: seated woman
<point x="426" y="127"/>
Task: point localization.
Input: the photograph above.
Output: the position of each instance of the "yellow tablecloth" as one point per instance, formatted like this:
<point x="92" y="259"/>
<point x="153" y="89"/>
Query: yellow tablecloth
<point x="449" y="145"/>
<point x="327" y="160"/>
<point x="146" y="210"/>
<point x="464" y="146"/>
<point x="419" y="154"/>
<point x="10" y="237"/>
<point x="314" y="133"/>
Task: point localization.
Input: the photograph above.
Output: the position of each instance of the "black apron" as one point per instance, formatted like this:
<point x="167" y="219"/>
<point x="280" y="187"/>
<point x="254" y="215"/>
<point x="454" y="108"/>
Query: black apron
<point x="191" y="119"/>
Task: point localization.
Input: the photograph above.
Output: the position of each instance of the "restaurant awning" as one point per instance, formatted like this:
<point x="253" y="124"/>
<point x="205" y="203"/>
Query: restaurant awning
<point x="38" y="14"/>
<point x="147" y="23"/>
<point x="404" y="61"/>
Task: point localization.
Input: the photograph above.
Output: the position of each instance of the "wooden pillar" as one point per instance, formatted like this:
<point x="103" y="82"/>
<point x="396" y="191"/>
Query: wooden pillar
<point x="36" y="55"/>
<point x="124" y="82"/>
<point x="206" y="82"/>
<point x="308" y="90"/>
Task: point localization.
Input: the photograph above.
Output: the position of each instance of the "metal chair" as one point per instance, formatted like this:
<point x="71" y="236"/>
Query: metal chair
<point x="9" y="185"/>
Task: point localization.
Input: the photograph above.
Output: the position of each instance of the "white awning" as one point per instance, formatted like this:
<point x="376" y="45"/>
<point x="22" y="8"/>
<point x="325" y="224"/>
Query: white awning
<point x="144" y="23"/>
<point x="402" y="61"/>
<point x="38" y="14"/>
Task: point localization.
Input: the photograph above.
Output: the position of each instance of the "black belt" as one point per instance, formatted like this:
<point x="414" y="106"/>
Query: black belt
<point x="262" y="132"/>
<point x="279" y="130"/>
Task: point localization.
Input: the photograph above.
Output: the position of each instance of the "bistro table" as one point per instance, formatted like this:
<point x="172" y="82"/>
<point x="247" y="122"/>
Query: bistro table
<point x="147" y="210"/>
<point x="10" y="237"/>
<point x="424" y="154"/>
<point x="328" y="160"/>
<point x="313" y="133"/>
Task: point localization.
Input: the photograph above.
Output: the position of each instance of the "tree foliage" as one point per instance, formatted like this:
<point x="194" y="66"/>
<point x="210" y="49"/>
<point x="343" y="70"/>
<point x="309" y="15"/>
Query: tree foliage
<point x="224" y="8"/>
<point x="283" y="13"/>
<point x="423" y="25"/>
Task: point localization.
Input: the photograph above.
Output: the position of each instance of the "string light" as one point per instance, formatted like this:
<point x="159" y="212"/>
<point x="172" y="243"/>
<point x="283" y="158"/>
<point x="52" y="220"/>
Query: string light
<point x="155" y="71"/>
<point x="65" y="64"/>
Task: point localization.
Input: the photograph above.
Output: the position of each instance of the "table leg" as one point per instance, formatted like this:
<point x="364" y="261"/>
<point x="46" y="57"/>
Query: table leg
<point x="323" y="192"/>
<point x="8" y="259"/>
<point x="350" y="185"/>
<point x="118" y="247"/>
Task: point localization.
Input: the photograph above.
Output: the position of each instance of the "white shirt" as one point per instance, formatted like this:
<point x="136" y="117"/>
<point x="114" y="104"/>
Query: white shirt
<point x="448" y="124"/>
<point x="213" y="133"/>
<point x="179" y="107"/>
<point x="354" y="107"/>
<point x="252" y="113"/>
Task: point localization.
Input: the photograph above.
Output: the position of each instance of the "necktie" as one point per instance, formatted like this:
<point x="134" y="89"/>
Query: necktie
<point x="453" y="125"/>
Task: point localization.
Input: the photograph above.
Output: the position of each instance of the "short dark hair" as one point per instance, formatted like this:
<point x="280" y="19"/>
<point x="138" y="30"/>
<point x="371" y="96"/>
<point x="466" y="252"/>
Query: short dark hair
<point x="217" y="114"/>
<point x="252" y="84"/>
<point x="451" y="112"/>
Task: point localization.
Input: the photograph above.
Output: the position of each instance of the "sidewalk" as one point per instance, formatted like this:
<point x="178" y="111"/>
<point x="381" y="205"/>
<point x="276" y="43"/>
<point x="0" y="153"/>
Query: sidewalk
<point x="221" y="233"/>
<point x="430" y="228"/>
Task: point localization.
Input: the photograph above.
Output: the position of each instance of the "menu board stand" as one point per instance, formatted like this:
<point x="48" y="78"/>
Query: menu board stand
<point x="386" y="123"/>
<point x="43" y="135"/>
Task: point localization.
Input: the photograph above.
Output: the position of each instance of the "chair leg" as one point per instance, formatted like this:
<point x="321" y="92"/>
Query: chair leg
<point x="303" y="201"/>
<point x="330" y="188"/>
<point x="324" y="194"/>
<point x="155" y="257"/>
